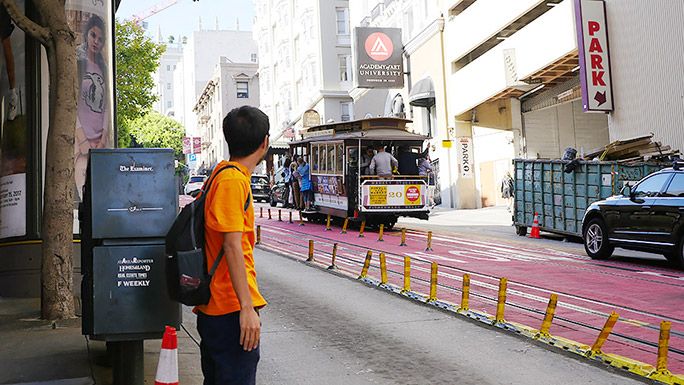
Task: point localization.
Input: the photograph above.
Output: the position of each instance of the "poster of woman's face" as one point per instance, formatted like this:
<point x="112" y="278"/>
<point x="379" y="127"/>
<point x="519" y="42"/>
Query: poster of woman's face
<point x="90" y="20"/>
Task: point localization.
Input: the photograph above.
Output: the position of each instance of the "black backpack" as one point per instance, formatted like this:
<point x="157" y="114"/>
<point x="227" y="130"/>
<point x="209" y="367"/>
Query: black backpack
<point x="187" y="278"/>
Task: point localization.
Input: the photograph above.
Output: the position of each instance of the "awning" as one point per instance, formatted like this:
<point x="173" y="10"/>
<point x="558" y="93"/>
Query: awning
<point x="422" y="93"/>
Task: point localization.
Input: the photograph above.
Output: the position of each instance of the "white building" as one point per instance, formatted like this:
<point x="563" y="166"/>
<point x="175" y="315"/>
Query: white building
<point x="231" y="85"/>
<point x="200" y="55"/>
<point x="422" y="98"/>
<point x="163" y="77"/>
<point x="304" y="60"/>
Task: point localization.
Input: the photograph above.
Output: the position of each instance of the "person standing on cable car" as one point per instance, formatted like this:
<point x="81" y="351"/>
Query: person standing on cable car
<point x="383" y="163"/>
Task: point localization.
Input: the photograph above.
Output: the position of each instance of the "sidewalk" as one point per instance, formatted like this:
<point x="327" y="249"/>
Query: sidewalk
<point x="36" y="352"/>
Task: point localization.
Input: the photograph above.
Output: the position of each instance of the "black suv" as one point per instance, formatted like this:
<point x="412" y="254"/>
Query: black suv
<point x="261" y="189"/>
<point x="647" y="217"/>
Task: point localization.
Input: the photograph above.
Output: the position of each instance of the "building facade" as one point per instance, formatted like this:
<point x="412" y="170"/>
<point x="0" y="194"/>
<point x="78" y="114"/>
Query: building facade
<point x="505" y="80"/>
<point x="232" y="85"/>
<point x="201" y="52"/>
<point x="163" y="77"/>
<point x="304" y="61"/>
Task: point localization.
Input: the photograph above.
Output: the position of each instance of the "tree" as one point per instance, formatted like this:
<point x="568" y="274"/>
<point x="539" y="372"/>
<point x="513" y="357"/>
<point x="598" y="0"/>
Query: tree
<point x="53" y="32"/>
<point x="137" y="57"/>
<point x="156" y="130"/>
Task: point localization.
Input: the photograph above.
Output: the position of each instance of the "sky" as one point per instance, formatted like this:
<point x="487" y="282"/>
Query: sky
<point x="182" y="18"/>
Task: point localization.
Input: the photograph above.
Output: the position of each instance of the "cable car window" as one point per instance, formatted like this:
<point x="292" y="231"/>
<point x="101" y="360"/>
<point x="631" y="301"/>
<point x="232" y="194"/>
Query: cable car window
<point x="315" y="165"/>
<point x="330" y="157"/>
<point x="339" y="157"/>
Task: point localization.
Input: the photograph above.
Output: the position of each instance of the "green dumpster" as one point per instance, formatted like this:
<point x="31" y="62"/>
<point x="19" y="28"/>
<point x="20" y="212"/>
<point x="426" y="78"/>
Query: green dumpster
<point x="560" y="199"/>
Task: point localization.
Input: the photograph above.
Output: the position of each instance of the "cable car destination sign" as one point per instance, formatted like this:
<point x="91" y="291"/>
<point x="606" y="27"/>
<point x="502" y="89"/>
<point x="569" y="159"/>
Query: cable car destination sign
<point x="378" y="58"/>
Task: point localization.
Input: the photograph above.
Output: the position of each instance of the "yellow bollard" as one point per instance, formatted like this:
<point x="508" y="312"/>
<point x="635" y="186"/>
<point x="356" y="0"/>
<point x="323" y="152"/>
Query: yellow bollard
<point x="366" y="264"/>
<point x="433" y="282"/>
<point x="429" y="241"/>
<point x="333" y="265"/>
<point x="291" y="217"/>
<point x="344" y="226"/>
<point x="383" y="269"/>
<point x="605" y="332"/>
<point x="501" y="302"/>
<point x="465" y="294"/>
<point x="280" y="217"/>
<point x="663" y="345"/>
<point x="363" y="226"/>
<point x="327" y="224"/>
<point x="301" y="219"/>
<point x="548" y="317"/>
<point x="311" y="251"/>
<point x="269" y="213"/>
<point x="407" y="275"/>
<point x="403" y="237"/>
<point x="261" y="212"/>
<point x="258" y="234"/>
<point x="381" y="232"/>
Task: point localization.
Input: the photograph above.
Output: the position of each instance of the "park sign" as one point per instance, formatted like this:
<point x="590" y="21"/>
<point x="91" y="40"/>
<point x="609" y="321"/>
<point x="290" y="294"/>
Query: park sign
<point x="594" y="59"/>
<point x="378" y="58"/>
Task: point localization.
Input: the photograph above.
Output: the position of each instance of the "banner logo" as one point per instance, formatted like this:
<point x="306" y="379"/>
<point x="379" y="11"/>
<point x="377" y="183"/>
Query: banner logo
<point x="379" y="46"/>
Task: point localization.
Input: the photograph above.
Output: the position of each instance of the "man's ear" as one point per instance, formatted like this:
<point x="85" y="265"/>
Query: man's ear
<point x="264" y="144"/>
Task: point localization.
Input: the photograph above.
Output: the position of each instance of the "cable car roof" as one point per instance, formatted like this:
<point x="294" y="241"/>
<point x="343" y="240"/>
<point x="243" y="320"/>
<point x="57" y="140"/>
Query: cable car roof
<point x="365" y="129"/>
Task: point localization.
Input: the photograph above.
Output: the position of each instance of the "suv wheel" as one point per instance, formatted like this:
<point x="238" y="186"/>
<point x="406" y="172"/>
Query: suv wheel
<point x="596" y="240"/>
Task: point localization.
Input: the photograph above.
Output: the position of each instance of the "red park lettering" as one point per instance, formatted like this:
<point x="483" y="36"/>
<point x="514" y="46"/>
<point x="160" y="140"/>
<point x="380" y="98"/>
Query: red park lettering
<point x="595" y="51"/>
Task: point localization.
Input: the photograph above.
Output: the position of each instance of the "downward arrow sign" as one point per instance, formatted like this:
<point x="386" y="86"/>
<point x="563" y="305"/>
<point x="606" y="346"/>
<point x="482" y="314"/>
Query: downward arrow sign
<point x="600" y="97"/>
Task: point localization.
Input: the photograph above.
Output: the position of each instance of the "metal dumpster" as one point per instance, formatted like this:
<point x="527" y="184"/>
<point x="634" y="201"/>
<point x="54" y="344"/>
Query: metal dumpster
<point x="561" y="198"/>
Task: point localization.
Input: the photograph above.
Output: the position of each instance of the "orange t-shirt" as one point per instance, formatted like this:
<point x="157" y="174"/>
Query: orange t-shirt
<point x="224" y="213"/>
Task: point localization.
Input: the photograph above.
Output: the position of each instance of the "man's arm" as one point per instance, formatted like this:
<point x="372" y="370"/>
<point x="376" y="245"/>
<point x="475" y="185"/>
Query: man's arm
<point x="250" y="326"/>
<point x="371" y="167"/>
<point x="393" y="161"/>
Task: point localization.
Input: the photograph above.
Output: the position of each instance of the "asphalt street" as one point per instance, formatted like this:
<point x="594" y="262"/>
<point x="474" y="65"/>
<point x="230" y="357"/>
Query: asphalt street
<point x="321" y="328"/>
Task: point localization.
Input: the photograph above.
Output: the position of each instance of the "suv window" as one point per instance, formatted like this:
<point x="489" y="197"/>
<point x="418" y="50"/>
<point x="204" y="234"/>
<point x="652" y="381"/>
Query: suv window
<point x="259" y="180"/>
<point x="676" y="188"/>
<point x="651" y="186"/>
<point x="196" y="179"/>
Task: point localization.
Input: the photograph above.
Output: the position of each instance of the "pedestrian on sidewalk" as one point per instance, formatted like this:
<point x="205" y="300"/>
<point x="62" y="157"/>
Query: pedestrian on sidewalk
<point x="229" y="324"/>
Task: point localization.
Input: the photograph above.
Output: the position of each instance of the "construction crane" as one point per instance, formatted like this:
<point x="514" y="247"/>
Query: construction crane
<point x="155" y="9"/>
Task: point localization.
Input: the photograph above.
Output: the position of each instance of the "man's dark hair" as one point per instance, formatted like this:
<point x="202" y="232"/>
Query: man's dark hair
<point x="245" y="128"/>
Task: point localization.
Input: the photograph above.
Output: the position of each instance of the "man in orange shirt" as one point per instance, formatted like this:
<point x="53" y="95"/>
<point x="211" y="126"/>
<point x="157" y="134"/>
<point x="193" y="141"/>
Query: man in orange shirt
<point x="229" y="324"/>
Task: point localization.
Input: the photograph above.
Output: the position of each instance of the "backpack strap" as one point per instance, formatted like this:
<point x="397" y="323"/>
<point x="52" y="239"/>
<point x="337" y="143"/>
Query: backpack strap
<point x="218" y="259"/>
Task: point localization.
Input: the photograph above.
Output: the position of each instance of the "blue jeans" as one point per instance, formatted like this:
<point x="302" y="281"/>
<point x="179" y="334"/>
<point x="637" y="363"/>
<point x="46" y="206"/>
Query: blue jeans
<point x="224" y="361"/>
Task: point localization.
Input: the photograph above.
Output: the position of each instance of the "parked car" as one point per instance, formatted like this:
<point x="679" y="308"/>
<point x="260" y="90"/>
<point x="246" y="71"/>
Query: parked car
<point x="194" y="185"/>
<point x="261" y="189"/>
<point x="647" y="217"/>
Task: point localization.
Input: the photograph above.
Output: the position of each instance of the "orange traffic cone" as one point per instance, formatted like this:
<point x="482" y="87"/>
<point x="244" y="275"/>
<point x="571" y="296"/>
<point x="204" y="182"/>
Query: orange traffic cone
<point x="167" y="369"/>
<point x="535" y="227"/>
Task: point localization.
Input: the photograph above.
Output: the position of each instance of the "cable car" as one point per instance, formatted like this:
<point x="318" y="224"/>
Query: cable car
<point x="344" y="186"/>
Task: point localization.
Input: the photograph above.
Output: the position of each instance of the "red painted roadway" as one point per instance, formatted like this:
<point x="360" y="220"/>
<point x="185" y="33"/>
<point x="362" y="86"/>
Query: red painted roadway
<point x="588" y="290"/>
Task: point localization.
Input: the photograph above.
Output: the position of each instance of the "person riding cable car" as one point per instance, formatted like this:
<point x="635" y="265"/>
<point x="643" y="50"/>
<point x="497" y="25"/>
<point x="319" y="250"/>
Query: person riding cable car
<point x="383" y="163"/>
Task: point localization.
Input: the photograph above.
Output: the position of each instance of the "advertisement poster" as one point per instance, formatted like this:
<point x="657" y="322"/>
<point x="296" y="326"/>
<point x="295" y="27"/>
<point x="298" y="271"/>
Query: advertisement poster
<point x="384" y="195"/>
<point x="379" y="58"/>
<point x="14" y="135"/>
<point x="91" y="21"/>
